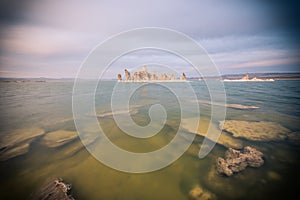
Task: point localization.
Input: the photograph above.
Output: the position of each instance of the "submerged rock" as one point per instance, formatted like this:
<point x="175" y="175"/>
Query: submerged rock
<point x="228" y="105"/>
<point x="14" y="151"/>
<point x="53" y="190"/>
<point x="257" y="131"/>
<point x="225" y="139"/>
<point x="132" y="111"/>
<point x="197" y="193"/>
<point x="15" y="143"/>
<point x="226" y="187"/>
<point x="273" y="175"/>
<point x="236" y="161"/>
<point x="294" y="137"/>
<point x="58" y="138"/>
<point x="10" y="138"/>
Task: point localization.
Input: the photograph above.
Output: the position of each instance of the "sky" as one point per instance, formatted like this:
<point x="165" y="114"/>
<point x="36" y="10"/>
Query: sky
<point x="51" y="38"/>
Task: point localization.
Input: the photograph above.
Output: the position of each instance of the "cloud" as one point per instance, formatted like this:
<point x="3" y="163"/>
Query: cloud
<point x="41" y="41"/>
<point x="205" y="18"/>
<point x="52" y="38"/>
<point x="42" y="51"/>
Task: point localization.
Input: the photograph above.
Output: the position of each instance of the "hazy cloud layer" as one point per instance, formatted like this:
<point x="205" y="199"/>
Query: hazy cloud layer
<point x="52" y="38"/>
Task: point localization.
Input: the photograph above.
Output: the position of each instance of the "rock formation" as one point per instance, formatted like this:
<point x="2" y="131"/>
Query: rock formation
<point x="236" y="161"/>
<point x="119" y="77"/>
<point x="172" y="77"/>
<point x="142" y="75"/>
<point x="183" y="77"/>
<point x="258" y="131"/>
<point x="127" y="75"/>
<point x="153" y="76"/>
<point x="58" y="138"/>
<point x="165" y="77"/>
<point x="53" y="190"/>
<point x="225" y="139"/>
<point x="294" y="137"/>
<point x="17" y="142"/>
<point x="246" y="77"/>
<point x="145" y="76"/>
<point x="197" y="193"/>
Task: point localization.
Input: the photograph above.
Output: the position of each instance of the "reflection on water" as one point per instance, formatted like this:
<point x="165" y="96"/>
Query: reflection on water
<point x="47" y="107"/>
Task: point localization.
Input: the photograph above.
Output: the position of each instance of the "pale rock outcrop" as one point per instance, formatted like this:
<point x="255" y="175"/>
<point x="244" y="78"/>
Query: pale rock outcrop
<point x="58" y="138"/>
<point x="257" y="131"/>
<point x="224" y="139"/>
<point x="246" y="77"/>
<point x="165" y="77"/>
<point x="153" y="77"/>
<point x="183" y="76"/>
<point x="15" y="151"/>
<point x="127" y="75"/>
<point x="119" y="77"/>
<point x="143" y="76"/>
<point x="294" y="137"/>
<point x="236" y="161"/>
<point x="53" y="190"/>
<point x="17" y="142"/>
<point x="197" y="193"/>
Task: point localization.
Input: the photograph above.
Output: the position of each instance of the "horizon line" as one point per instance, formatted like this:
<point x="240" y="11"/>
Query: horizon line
<point x="72" y="78"/>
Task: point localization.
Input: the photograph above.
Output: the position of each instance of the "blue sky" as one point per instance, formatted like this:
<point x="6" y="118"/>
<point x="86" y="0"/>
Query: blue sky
<point x="51" y="38"/>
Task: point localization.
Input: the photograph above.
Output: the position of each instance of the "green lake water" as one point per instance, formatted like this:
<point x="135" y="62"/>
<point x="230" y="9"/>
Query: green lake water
<point x="48" y="106"/>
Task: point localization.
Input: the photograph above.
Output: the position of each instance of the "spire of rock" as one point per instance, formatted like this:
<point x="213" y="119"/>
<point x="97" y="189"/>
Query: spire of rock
<point x="127" y="75"/>
<point x="144" y="68"/>
<point x="119" y="77"/>
<point x="144" y="76"/>
<point x="183" y="77"/>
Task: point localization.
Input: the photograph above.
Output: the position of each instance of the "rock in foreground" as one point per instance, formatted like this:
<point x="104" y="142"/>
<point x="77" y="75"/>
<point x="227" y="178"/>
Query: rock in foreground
<point x="16" y="142"/>
<point x="224" y="139"/>
<point x="257" y="131"/>
<point x="236" y="161"/>
<point x="53" y="190"/>
<point x="197" y="193"/>
<point x="58" y="138"/>
<point x="14" y="151"/>
<point x="294" y="137"/>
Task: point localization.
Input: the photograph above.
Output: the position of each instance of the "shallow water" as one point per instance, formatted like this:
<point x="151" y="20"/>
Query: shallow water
<point x="48" y="106"/>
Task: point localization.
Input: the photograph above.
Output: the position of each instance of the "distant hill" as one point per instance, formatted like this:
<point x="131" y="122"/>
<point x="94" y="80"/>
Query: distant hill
<point x="41" y="79"/>
<point x="276" y="76"/>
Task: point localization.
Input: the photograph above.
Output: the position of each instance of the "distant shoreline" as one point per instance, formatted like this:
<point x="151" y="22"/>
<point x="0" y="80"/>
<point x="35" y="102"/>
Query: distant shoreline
<point x="275" y="76"/>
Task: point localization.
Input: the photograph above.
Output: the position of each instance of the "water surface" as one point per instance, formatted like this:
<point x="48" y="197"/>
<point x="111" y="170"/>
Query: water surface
<point x="48" y="106"/>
